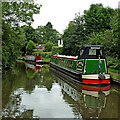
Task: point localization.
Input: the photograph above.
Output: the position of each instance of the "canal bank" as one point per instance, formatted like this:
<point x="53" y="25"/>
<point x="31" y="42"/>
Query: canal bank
<point x="31" y="91"/>
<point x="115" y="76"/>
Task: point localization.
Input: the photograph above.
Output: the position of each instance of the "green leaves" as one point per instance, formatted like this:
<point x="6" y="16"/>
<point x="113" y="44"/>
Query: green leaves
<point x="30" y="46"/>
<point x="48" y="46"/>
<point x="13" y="37"/>
<point x="74" y="36"/>
<point x="12" y="42"/>
<point x="97" y="18"/>
<point x="14" y="12"/>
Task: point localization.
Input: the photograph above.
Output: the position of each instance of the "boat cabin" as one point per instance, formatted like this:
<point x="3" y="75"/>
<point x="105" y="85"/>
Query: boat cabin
<point x="91" y="52"/>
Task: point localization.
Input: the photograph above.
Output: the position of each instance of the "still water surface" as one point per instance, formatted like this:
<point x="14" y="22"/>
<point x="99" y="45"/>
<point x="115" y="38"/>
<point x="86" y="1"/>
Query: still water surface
<point x="40" y="92"/>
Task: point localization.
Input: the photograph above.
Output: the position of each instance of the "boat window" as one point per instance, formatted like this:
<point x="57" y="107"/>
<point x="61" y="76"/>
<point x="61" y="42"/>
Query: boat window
<point x="81" y="52"/>
<point x="101" y="52"/>
<point x="92" y="51"/>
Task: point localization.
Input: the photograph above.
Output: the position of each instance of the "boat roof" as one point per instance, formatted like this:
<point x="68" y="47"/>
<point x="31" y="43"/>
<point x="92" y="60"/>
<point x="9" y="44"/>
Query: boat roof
<point x="92" y="46"/>
<point x="85" y="53"/>
<point x="65" y="56"/>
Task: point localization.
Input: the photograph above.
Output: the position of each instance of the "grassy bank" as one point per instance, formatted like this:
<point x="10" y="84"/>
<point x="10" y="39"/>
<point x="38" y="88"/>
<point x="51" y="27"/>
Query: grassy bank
<point x="21" y="57"/>
<point x="114" y="71"/>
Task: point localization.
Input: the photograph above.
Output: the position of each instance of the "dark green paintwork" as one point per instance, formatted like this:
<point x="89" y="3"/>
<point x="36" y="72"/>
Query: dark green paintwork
<point x="72" y="64"/>
<point x="92" y="66"/>
<point x="67" y="63"/>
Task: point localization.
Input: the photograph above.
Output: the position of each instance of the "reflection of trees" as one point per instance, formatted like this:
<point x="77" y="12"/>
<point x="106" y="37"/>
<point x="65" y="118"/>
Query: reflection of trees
<point x="30" y="73"/>
<point x="12" y="80"/>
<point x="47" y="77"/>
<point x="18" y="78"/>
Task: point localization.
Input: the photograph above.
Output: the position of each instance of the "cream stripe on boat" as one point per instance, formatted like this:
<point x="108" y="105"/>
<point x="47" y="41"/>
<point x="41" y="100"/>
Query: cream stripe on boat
<point x="94" y="76"/>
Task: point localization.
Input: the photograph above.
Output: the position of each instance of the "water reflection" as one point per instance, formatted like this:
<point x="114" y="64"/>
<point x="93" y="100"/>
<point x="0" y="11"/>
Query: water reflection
<point x="89" y="103"/>
<point x="31" y="91"/>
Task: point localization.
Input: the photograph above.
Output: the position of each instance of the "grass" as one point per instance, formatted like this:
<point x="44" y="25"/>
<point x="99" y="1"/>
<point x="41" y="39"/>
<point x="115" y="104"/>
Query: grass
<point x="113" y="70"/>
<point x="21" y="57"/>
<point x="22" y="61"/>
<point x="113" y="90"/>
<point x="46" y="59"/>
<point x="115" y="77"/>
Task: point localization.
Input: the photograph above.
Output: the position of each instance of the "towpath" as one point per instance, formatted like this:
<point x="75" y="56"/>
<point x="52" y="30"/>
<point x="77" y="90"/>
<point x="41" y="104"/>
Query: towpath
<point x="115" y="79"/>
<point x="115" y="73"/>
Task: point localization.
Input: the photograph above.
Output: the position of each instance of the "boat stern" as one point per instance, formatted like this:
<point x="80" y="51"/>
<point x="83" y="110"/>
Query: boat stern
<point x="96" y="79"/>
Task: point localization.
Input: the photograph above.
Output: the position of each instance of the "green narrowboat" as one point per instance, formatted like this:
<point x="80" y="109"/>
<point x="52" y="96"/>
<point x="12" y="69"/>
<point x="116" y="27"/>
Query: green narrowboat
<point x="89" y="67"/>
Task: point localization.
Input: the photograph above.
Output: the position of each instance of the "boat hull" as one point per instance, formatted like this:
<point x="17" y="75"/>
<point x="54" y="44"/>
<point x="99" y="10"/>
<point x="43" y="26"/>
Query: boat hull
<point x="89" y="79"/>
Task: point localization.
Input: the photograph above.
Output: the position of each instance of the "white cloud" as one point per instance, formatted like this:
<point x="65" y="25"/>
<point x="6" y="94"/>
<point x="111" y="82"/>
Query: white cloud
<point x="60" y="12"/>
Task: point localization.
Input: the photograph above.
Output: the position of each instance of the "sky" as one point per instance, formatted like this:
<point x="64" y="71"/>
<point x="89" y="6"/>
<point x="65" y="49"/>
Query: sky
<point x="61" y="12"/>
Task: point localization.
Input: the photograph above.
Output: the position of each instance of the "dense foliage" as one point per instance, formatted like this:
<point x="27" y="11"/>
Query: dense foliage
<point x="57" y="50"/>
<point x="47" y="33"/>
<point x="16" y="36"/>
<point x="74" y="36"/>
<point x="13" y="37"/>
<point x="48" y="46"/>
<point x="15" y="13"/>
<point x="30" y="46"/>
<point x="98" y="18"/>
<point x="12" y="42"/>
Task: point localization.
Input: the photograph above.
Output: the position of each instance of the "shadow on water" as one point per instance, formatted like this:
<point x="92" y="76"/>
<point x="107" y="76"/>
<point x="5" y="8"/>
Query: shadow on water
<point x="38" y="91"/>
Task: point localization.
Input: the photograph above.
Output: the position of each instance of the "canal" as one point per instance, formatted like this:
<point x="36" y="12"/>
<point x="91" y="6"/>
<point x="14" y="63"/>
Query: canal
<point x="30" y="91"/>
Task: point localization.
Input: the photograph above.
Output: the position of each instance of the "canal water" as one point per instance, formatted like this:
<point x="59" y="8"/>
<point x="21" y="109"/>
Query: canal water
<point x="38" y="91"/>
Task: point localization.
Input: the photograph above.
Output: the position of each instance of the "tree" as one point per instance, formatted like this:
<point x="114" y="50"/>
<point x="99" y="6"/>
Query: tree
<point x="12" y="42"/>
<point x="15" y="13"/>
<point x="41" y="34"/>
<point x="74" y="36"/>
<point x="97" y="18"/>
<point x="13" y="37"/>
<point x="29" y="33"/>
<point x="49" y="25"/>
<point x="30" y="46"/>
<point x="115" y="25"/>
<point x="51" y="34"/>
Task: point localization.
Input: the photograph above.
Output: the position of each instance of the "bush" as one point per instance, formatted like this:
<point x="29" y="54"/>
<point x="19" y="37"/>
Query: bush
<point x="113" y="63"/>
<point x="30" y="46"/>
<point x="46" y="54"/>
<point x="48" y="46"/>
<point x="57" y="50"/>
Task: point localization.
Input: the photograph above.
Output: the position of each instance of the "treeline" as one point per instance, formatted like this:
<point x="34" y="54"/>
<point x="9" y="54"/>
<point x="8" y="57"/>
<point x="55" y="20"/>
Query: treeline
<point x="17" y="31"/>
<point x="97" y="26"/>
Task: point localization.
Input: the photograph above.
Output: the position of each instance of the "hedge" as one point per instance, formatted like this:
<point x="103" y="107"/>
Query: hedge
<point x="57" y="50"/>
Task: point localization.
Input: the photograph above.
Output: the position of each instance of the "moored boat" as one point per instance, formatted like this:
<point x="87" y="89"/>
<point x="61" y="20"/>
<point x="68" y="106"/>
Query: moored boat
<point x="34" y="58"/>
<point x="89" y="67"/>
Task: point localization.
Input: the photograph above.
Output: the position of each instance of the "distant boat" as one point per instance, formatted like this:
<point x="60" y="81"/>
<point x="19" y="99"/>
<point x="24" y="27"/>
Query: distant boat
<point x="34" y="58"/>
<point x="89" y="67"/>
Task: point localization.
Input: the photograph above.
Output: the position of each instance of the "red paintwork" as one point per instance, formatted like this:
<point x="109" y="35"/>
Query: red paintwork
<point x="65" y="57"/>
<point x="38" y="57"/>
<point x="36" y="68"/>
<point x="96" y="88"/>
<point x="96" y="81"/>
